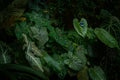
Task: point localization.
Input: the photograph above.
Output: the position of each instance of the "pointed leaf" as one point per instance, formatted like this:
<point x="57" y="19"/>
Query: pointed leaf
<point x="34" y="61"/>
<point x="106" y="38"/>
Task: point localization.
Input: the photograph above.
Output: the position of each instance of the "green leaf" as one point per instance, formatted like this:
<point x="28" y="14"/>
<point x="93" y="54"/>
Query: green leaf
<point x="32" y="54"/>
<point x="81" y="52"/>
<point x="80" y="27"/>
<point x="77" y="60"/>
<point x="91" y="34"/>
<point x="61" y="39"/>
<point x="40" y="34"/>
<point x="4" y="56"/>
<point x="73" y="62"/>
<point x="106" y="38"/>
<point x="97" y="73"/>
<point x="34" y="61"/>
<point x="51" y="62"/>
<point x="105" y="14"/>
<point x="20" y="29"/>
<point x="38" y="18"/>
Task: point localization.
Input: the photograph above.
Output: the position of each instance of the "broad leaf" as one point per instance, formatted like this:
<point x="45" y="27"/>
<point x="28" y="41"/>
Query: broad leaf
<point x="106" y="38"/>
<point x="97" y="73"/>
<point x="40" y="34"/>
<point x="61" y="39"/>
<point x="34" y="61"/>
<point x="77" y="60"/>
<point x="80" y="27"/>
<point x="73" y="62"/>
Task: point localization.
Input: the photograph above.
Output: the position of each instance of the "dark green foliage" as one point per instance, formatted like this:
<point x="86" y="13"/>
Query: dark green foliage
<point x="64" y="39"/>
<point x="14" y="71"/>
<point x="97" y="73"/>
<point x="110" y="23"/>
<point x="80" y="27"/>
<point x="4" y="54"/>
<point x="61" y="39"/>
<point x="106" y="38"/>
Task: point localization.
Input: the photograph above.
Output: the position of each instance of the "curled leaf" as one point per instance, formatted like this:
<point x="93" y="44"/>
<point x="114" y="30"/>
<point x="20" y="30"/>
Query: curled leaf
<point x="80" y="27"/>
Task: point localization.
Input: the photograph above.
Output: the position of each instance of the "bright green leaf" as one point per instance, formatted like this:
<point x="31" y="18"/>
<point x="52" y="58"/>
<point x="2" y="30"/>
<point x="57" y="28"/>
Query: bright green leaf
<point x="106" y="38"/>
<point x="80" y="27"/>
